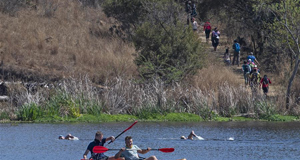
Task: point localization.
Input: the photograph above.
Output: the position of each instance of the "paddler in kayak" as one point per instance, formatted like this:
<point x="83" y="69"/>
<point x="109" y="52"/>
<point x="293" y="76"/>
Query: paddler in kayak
<point x="191" y="135"/>
<point x="131" y="151"/>
<point x="99" y="141"/>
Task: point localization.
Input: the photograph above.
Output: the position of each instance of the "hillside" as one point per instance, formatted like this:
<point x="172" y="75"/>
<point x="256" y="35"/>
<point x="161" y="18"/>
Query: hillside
<point x="50" y="41"/>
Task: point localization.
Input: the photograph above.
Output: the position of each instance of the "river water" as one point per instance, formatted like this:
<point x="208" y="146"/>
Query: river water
<point x="223" y="140"/>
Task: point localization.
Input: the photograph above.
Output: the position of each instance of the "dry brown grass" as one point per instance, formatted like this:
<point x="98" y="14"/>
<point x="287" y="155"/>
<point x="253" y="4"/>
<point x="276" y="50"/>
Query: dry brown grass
<point x="73" y="40"/>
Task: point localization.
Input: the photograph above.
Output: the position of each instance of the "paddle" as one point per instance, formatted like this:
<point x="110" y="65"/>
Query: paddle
<point x="124" y="131"/>
<point x="101" y="149"/>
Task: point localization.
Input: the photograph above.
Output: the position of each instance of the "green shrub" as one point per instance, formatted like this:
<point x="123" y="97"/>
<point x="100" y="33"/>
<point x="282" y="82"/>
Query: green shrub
<point x="29" y="112"/>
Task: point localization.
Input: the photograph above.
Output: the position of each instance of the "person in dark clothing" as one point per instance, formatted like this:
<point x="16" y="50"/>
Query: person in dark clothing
<point x="99" y="141"/>
<point x="215" y="36"/>
<point x="207" y="29"/>
<point x="264" y="82"/>
<point x="188" y="9"/>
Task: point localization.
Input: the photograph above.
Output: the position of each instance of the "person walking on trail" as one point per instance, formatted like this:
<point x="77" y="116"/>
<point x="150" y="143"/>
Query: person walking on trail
<point x="188" y="10"/>
<point x="253" y="58"/>
<point x="264" y="82"/>
<point x="195" y="25"/>
<point x="246" y="69"/>
<point x="98" y="141"/>
<point x="194" y="10"/>
<point x="227" y="56"/>
<point x="236" y="53"/>
<point x="207" y="29"/>
<point x="255" y="67"/>
<point x="251" y="64"/>
<point x="215" y="36"/>
<point x="130" y="152"/>
<point x="254" y="79"/>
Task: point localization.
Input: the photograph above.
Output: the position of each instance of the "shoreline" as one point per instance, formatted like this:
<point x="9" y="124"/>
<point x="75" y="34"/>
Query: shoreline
<point x="169" y="117"/>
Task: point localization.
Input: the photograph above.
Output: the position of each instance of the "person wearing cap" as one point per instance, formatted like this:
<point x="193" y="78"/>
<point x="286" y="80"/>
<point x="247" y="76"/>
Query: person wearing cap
<point x="252" y="57"/>
<point x="254" y="79"/>
<point x="236" y="54"/>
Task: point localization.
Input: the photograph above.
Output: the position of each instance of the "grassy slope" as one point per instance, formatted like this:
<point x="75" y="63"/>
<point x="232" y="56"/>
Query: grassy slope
<point x="74" y="41"/>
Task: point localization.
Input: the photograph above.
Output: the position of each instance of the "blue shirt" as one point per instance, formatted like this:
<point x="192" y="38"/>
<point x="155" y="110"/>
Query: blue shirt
<point x="251" y="57"/>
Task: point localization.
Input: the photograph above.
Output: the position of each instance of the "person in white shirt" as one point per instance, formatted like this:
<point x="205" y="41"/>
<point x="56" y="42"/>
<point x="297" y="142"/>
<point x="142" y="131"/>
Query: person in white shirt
<point x="131" y="151"/>
<point x="195" y="25"/>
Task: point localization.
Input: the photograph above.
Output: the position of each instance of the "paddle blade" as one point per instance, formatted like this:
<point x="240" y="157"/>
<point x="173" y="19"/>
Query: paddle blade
<point x="130" y="126"/>
<point x="166" y="150"/>
<point x="99" y="149"/>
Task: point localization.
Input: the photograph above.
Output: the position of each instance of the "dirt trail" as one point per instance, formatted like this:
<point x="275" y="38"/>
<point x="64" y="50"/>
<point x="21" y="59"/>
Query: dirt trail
<point x="237" y="70"/>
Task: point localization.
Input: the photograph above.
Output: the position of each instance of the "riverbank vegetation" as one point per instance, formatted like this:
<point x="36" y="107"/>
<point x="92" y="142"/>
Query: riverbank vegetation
<point x="125" y="60"/>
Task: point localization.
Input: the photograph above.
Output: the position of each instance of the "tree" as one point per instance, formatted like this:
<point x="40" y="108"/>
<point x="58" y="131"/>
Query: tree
<point x="166" y="47"/>
<point x="286" y="28"/>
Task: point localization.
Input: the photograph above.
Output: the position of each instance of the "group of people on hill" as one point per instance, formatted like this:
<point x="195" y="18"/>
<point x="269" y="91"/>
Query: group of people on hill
<point x="252" y="75"/>
<point x="191" y="15"/>
<point x="215" y="35"/>
<point x="190" y="8"/>
<point x="251" y="72"/>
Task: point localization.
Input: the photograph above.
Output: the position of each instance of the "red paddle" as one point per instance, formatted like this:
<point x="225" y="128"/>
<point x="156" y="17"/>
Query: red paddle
<point x="101" y="149"/>
<point x="124" y="131"/>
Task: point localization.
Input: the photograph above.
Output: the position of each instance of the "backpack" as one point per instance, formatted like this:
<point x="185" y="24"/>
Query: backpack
<point x="237" y="47"/>
<point x="208" y="27"/>
<point x="215" y="35"/>
<point x="247" y="68"/>
<point x="254" y="77"/>
<point x="266" y="81"/>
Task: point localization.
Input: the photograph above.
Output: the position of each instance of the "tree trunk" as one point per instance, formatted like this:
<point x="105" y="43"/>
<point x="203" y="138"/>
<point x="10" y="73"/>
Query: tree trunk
<point x="288" y="92"/>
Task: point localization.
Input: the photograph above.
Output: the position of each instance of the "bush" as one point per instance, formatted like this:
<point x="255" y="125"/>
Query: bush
<point x="29" y="112"/>
<point x="170" y="52"/>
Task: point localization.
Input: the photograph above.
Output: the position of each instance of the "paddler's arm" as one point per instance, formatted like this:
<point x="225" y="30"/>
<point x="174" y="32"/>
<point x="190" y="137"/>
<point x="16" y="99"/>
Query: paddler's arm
<point x="119" y="153"/>
<point x="85" y="154"/>
<point x="111" y="138"/>
<point x="144" y="151"/>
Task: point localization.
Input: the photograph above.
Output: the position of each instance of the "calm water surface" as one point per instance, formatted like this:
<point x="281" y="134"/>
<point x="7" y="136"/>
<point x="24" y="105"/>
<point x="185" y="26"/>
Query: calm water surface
<point x="252" y="140"/>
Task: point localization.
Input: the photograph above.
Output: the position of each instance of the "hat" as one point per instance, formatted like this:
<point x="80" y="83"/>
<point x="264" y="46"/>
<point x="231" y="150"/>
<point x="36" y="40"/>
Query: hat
<point x="251" y="52"/>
